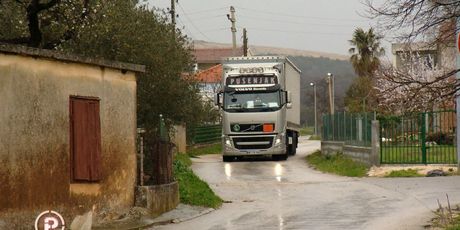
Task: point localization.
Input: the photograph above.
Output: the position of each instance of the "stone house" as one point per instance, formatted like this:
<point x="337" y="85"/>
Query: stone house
<point x="209" y="57"/>
<point x="68" y="132"/>
<point x="209" y="81"/>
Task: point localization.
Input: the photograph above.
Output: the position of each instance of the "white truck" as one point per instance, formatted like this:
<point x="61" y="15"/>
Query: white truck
<point x="260" y="105"/>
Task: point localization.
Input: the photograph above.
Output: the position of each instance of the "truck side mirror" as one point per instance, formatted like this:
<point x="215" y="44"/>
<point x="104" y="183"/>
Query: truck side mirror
<point x="287" y="96"/>
<point x="288" y="100"/>
<point x="218" y="100"/>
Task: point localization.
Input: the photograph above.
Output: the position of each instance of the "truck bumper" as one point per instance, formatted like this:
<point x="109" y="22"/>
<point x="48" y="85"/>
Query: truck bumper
<point x="229" y="148"/>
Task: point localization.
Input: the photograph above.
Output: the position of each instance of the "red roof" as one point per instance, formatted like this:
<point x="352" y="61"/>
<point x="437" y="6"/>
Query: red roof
<point x="211" y="75"/>
<point x="212" y="55"/>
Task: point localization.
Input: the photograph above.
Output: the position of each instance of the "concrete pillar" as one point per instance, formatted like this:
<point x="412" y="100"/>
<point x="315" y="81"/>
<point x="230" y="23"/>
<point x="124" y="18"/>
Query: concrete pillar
<point x="457" y="93"/>
<point x="375" y="140"/>
<point x="180" y="138"/>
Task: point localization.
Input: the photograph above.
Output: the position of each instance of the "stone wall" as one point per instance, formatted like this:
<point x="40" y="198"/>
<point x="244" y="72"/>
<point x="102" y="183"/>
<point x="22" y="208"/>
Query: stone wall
<point x="368" y="155"/>
<point x="158" y="198"/>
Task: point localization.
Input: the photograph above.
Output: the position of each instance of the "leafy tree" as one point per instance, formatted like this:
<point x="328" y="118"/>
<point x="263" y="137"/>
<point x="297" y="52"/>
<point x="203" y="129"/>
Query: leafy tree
<point x="44" y="24"/>
<point x="365" y="55"/>
<point x="361" y="95"/>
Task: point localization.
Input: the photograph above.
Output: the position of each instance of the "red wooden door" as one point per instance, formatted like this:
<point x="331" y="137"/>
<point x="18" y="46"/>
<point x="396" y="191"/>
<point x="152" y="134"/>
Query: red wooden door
<point x="85" y="139"/>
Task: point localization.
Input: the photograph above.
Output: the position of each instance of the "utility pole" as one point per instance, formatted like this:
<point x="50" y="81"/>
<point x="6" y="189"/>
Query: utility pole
<point x="245" y="43"/>
<point x="316" y="121"/>
<point x="232" y="19"/>
<point x="331" y="81"/>
<point x="331" y="103"/>
<point x="173" y="16"/>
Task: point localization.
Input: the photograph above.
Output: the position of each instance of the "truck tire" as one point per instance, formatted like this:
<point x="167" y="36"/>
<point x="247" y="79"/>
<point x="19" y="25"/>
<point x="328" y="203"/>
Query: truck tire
<point x="227" y="158"/>
<point x="293" y="147"/>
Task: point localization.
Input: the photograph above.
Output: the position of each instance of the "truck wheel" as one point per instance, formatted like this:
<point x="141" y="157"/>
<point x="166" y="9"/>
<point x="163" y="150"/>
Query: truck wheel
<point x="227" y="158"/>
<point x="293" y="147"/>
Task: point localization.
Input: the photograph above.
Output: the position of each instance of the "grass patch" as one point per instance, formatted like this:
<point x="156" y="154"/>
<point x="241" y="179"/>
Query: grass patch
<point x="404" y="173"/>
<point x="307" y="131"/>
<point x="314" y="138"/>
<point x="338" y="164"/>
<point x="203" y="150"/>
<point x="193" y="190"/>
<point x="446" y="216"/>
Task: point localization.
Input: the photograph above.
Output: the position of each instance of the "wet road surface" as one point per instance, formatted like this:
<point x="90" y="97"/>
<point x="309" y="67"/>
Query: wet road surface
<point x="288" y="194"/>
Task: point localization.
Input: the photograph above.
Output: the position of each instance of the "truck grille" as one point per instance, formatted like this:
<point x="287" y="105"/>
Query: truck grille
<point x="248" y="127"/>
<point x="253" y="142"/>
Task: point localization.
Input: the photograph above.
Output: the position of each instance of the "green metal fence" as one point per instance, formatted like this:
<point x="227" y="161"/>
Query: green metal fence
<point x="205" y="134"/>
<point x="351" y="128"/>
<point x="419" y="138"/>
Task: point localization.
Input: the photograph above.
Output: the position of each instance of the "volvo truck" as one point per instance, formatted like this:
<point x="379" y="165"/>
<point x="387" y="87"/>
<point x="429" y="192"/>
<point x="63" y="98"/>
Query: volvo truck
<point x="260" y="107"/>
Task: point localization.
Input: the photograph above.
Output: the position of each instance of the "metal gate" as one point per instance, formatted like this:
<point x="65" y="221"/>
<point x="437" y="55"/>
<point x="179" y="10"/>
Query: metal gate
<point x="419" y="138"/>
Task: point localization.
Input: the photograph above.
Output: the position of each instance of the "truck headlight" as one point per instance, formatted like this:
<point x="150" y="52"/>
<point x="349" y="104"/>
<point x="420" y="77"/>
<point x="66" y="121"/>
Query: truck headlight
<point x="228" y="142"/>
<point x="279" y="139"/>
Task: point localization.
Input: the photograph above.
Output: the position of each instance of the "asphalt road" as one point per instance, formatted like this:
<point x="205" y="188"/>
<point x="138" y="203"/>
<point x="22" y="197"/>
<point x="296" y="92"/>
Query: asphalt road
<point x="288" y="194"/>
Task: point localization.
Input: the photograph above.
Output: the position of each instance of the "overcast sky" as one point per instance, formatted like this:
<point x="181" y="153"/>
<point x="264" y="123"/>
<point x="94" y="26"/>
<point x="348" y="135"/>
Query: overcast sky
<point x="316" y="25"/>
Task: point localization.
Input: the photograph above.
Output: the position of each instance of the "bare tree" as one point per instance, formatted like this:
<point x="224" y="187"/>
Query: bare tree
<point x="413" y="19"/>
<point x="418" y="85"/>
<point x="432" y="22"/>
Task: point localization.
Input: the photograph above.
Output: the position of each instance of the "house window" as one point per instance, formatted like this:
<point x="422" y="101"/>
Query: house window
<point x="85" y="139"/>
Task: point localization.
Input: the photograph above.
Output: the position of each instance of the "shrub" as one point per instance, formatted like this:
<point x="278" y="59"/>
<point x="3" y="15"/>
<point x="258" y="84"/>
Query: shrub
<point x="440" y="138"/>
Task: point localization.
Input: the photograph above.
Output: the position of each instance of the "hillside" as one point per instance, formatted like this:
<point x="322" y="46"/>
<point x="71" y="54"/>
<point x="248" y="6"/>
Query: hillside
<point x="261" y="50"/>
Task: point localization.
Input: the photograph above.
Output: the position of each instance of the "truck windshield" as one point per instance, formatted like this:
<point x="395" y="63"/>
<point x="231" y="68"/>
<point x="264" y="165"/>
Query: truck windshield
<point x="252" y="101"/>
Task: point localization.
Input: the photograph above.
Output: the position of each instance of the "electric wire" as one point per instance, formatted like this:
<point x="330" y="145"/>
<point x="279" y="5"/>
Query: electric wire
<point x="294" y="22"/>
<point x="295" y="16"/>
<point x="186" y="29"/>
<point x="293" y="31"/>
<point x="191" y="22"/>
<point x="206" y="10"/>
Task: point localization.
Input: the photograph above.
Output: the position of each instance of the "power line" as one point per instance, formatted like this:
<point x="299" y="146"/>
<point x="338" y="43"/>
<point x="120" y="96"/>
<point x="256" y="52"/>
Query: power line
<point x="295" y="22"/>
<point x="207" y="10"/>
<point x="294" y="31"/>
<point x="186" y="29"/>
<point x="297" y="16"/>
<point x="191" y="22"/>
<point x="216" y="29"/>
<point x="208" y="17"/>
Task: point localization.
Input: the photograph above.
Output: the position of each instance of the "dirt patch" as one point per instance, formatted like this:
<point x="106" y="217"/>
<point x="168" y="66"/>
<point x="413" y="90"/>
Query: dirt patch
<point x="422" y="169"/>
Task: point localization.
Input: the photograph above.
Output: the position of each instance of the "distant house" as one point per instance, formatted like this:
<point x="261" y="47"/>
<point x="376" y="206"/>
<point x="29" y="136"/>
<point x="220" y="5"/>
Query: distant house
<point x="68" y="132"/>
<point x="402" y="52"/>
<point x="209" y="81"/>
<point x="209" y="69"/>
<point x="440" y="54"/>
<point x="209" y="57"/>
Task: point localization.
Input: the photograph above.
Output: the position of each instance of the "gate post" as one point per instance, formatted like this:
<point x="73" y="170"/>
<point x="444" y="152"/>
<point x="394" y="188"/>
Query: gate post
<point x="422" y="137"/>
<point x="375" y="143"/>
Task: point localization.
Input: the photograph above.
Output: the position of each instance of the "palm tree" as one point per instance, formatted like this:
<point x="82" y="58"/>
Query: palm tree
<point x="366" y="52"/>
